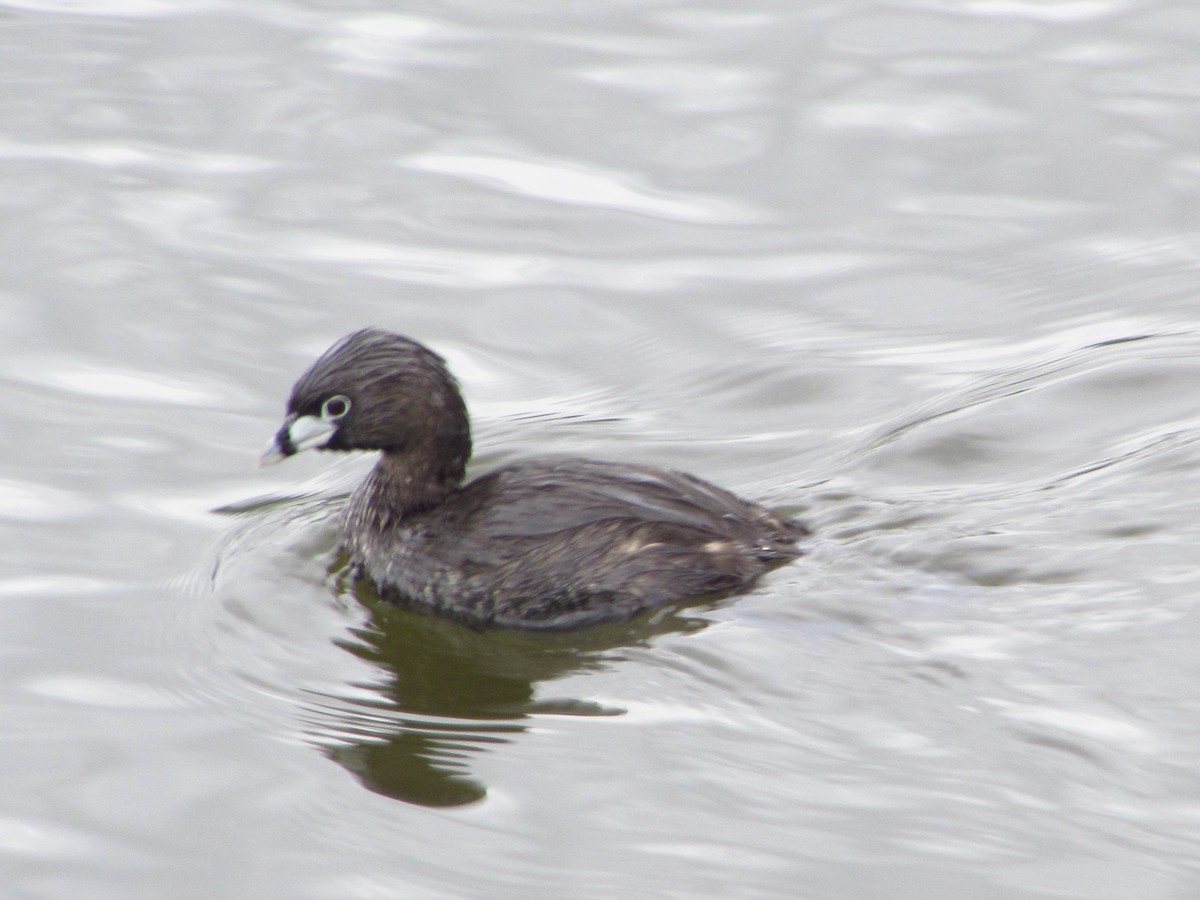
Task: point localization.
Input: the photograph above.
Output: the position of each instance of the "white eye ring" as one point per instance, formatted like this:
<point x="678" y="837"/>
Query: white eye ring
<point x="335" y="408"/>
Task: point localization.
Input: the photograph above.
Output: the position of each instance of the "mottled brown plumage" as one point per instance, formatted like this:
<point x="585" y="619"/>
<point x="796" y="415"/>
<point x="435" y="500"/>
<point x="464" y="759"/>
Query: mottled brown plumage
<point x="544" y="543"/>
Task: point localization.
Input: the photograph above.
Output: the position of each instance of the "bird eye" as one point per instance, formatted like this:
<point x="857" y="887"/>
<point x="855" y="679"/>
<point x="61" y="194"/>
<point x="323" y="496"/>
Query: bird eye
<point x="335" y="408"/>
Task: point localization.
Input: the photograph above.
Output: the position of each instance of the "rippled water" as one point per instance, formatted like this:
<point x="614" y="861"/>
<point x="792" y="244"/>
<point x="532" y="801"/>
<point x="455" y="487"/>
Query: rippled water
<point x="923" y="273"/>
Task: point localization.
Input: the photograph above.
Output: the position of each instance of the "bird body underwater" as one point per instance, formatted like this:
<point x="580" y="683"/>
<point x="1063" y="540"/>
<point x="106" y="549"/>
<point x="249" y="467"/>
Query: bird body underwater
<point x="544" y="543"/>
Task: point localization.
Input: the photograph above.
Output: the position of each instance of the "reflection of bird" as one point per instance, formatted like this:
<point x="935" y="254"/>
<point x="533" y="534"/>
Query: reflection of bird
<point x="547" y="543"/>
<point x="452" y="692"/>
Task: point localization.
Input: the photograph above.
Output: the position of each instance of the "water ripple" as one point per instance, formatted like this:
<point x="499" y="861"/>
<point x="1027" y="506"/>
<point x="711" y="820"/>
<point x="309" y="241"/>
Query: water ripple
<point x="140" y="156"/>
<point x="577" y="184"/>
<point x="464" y="268"/>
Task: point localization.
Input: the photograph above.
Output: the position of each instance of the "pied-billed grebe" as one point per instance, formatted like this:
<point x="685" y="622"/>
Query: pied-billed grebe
<point x="545" y="543"/>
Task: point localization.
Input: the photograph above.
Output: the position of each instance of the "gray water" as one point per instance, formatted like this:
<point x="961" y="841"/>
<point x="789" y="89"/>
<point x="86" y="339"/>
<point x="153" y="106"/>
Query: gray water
<point x="923" y="273"/>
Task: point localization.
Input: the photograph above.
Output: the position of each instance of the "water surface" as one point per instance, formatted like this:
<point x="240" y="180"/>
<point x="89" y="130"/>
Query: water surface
<point x="921" y="273"/>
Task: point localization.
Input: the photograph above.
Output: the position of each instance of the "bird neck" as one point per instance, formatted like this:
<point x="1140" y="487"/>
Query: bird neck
<point x="403" y="483"/>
